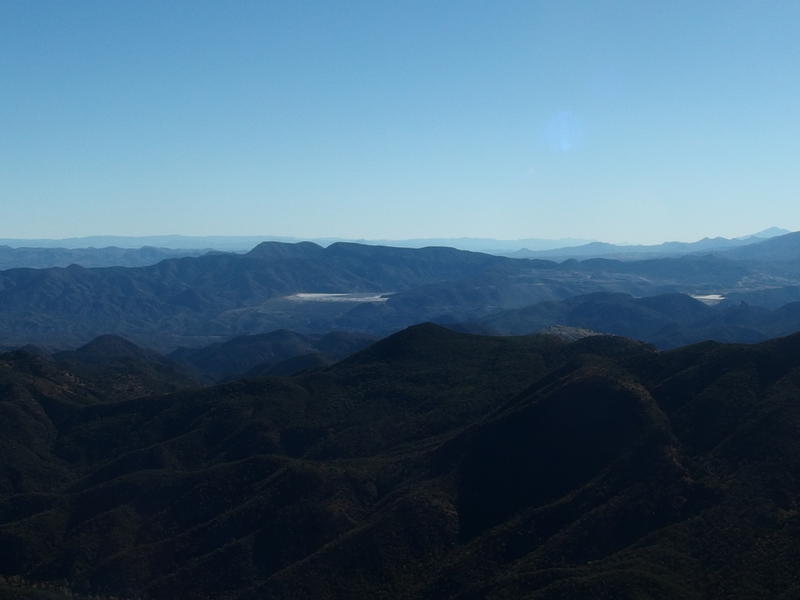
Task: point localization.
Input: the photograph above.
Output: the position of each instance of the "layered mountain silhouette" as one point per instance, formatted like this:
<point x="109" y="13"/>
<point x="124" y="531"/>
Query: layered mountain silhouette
<point x="432" y="464"/>
<point x="108" y="251"/>
<point x="120" y="368"/>
<point x="309" y="289"/>
<point x="215" y="295"/>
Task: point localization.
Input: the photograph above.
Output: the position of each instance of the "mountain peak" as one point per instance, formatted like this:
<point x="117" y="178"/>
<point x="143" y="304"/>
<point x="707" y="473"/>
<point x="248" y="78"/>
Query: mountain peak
<point x="417" y="341"/>
<point x="110" y="346"/>
<point x="769" y="232"/>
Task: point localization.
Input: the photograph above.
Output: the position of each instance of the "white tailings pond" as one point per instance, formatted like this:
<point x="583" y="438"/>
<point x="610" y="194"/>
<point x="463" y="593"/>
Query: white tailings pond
<point x="709" y="298"/>
<point x="311" y="297"/>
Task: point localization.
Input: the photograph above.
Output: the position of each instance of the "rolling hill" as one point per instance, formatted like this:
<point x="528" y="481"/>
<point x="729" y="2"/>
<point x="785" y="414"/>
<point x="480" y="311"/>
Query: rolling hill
<point x="266" y="351"/>
<point x="432" y="464"/>
<point x="644" y="251"/>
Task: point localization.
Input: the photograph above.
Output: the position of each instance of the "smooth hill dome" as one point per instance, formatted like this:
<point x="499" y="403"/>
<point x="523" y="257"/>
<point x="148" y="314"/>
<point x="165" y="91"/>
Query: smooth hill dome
<point x="111" y="346"/>
<point x="281" y="250"/>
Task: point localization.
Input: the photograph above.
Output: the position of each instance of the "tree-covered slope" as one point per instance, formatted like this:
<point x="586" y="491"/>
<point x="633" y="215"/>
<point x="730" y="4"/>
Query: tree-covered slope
<point x="433" y="464"/>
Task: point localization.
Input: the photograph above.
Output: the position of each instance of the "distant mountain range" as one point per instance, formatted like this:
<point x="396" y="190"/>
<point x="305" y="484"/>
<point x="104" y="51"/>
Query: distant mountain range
<point x="430" y="465"/>
<point x="630" y="252"/>
<point x="40" y="258"/>
<point x="243" y="243"/>
<point x="194" y="301"/>
<point x="110" y="251"/>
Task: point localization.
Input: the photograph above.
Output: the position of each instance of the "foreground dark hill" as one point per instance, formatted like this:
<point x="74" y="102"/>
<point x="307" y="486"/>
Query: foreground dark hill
<point x="123" y="370"/>
<point x="269" y="351"/>
<point x="431" y="465"/>
<point x="39" y="393"/>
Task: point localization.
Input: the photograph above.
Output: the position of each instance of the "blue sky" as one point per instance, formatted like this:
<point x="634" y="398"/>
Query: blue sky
<point x="631" y="121"/>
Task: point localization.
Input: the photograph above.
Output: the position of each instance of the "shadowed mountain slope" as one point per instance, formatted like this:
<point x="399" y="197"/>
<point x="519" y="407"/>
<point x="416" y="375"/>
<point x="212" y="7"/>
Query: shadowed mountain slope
<point x="120" y="369"/>
<point x="39" y="394"/>
<point x="243" y="354"/>
<point x="433" y="464"/>
<point x="667" y="320"/>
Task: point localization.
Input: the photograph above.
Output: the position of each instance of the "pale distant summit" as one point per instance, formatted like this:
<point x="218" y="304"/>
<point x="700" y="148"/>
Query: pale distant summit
<point x="637" y="252"/>
<point x="769" y="232"/>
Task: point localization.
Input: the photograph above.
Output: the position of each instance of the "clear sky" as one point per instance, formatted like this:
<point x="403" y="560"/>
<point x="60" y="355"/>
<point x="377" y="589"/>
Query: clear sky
<point x="637" y="121"/>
